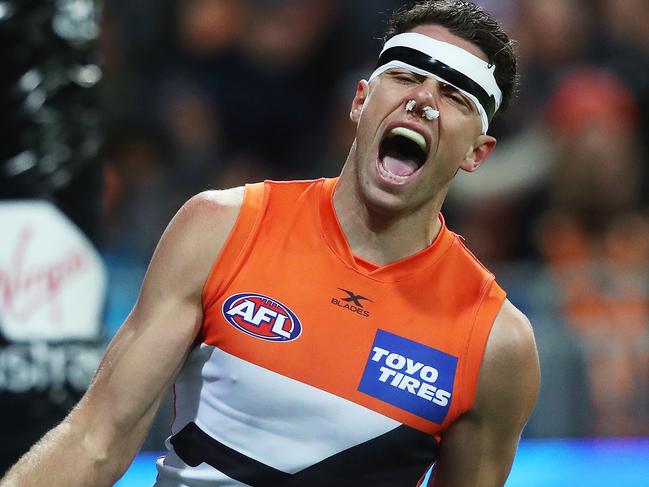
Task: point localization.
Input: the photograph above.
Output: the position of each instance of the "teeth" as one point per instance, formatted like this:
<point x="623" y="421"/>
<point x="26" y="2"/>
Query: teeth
<point x="416" y="137"/>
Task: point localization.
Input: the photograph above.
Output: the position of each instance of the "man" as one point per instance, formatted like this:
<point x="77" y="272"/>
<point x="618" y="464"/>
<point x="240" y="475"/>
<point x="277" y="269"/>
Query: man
<point x="328" y="332"/>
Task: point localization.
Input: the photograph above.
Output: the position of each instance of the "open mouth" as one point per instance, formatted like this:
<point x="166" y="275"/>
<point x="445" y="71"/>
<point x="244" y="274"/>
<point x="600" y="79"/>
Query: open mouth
<point x="402" y="153"/>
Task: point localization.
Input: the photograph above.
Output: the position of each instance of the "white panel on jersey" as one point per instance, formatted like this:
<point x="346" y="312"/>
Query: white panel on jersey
<point x="271" y="418"/>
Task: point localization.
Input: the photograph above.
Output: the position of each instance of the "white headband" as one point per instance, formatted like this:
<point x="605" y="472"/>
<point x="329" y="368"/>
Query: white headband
<point x="448" y="63"/>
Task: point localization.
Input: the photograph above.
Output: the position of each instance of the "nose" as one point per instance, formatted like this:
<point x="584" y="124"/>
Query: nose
<point x="424" y="92"/>
<point x="422" y="100"/>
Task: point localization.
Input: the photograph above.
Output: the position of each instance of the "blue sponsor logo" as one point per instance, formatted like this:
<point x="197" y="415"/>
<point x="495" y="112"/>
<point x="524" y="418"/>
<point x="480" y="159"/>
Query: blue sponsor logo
<point x="410" y="376"/>
<point x="262" y="317"/>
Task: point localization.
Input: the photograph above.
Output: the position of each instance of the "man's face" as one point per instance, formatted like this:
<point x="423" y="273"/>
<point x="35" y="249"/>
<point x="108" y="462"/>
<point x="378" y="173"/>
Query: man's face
<point x="395" y="173"/>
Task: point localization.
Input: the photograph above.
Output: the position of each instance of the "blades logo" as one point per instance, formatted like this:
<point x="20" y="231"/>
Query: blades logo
<point x="262" y="317"/>
<point x="352" y="302"/>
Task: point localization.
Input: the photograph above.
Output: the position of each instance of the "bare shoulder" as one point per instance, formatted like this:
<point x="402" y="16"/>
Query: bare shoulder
<point x="510" y="367"/>
<point x="512" y="336"/>
<point x="230" y="198"/>
<point x="193" y="239"/>
<point x="208" y="217"/>
<point x="213" y="208"/>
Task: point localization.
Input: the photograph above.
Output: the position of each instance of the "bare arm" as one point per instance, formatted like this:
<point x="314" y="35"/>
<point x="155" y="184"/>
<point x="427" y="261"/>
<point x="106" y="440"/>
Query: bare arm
<point x="95" y="444"/>
<point x="479" y="449"/>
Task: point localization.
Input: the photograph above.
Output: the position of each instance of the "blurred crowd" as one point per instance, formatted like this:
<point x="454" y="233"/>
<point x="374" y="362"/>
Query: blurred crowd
<point x="202" y="94"/>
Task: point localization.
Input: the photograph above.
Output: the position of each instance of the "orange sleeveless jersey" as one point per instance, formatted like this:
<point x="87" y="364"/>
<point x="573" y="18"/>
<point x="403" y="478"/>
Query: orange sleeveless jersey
<point x="396" y="346"/>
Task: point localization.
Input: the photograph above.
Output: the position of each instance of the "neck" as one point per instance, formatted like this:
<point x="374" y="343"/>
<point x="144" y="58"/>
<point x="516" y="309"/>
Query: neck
<point x="378" y="235"/>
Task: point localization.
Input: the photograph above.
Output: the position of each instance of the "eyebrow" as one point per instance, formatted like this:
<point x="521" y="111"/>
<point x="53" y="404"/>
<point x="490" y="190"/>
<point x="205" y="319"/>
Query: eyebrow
<point x="395" y="71"/>
<point x="427" y="63"/>
<point x="466" y="100"/>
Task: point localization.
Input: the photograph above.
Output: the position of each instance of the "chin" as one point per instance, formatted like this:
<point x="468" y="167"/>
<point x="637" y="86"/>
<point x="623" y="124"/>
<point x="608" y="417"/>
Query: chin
<point x="388" y="199"/>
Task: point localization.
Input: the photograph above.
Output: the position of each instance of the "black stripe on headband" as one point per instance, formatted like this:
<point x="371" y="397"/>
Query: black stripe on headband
<point x="423" y="61"/>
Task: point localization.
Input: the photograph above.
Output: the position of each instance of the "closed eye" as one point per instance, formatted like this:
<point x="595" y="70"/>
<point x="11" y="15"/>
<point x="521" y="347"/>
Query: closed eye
<point x="406" y="77"/>
<point x="455" y="95"/>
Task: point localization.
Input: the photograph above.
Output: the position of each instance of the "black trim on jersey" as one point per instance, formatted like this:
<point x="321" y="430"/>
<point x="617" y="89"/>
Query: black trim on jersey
<point x="423" y="61"/>
<point x="398" y="457"/>
<point x="194" y="447"/>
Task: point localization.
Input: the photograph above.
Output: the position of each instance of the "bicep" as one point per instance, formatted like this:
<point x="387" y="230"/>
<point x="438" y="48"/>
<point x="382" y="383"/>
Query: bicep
<point x="478" y="450"/>
<point x="141" y="362"/>
<point x="476" y="453"/>
<point x="149" y="349"/>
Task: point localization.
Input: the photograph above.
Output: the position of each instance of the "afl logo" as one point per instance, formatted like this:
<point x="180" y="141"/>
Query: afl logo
<point x="262" y="317"/>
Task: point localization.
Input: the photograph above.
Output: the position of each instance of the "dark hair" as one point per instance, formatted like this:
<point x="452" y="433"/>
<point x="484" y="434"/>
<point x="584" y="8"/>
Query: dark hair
<point x="470" y="22"/>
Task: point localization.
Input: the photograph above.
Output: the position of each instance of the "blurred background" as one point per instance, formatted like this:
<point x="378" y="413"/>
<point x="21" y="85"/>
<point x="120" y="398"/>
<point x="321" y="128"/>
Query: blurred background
<point x="116" y="112"/>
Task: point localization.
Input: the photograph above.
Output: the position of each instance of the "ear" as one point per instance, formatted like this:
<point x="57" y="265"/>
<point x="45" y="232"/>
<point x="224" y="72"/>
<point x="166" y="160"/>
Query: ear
<point x="362" y="91"/>
<point x="479" y="153"/>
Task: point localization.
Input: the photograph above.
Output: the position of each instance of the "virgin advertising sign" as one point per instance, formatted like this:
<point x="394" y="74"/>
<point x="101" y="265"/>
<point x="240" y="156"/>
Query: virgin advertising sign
<point x="52" y="280"/>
